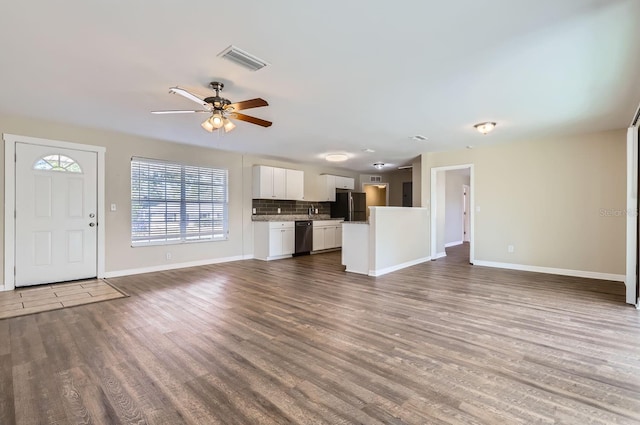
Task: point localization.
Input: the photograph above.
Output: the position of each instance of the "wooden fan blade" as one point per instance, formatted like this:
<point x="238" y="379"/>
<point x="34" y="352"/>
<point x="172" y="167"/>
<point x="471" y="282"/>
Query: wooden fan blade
<point x="178" y="112"/>
<point x="191" y="96"/>
<point x="248" y="104"/>
<point x="252" y="120"/>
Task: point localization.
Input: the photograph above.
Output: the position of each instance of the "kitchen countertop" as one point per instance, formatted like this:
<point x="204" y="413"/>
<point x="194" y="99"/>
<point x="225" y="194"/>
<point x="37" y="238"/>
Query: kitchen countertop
<point x="281" y="217"/>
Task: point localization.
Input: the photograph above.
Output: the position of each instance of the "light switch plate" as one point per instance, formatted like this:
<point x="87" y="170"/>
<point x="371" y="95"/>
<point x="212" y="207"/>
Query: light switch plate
<point x="113" y="207"/>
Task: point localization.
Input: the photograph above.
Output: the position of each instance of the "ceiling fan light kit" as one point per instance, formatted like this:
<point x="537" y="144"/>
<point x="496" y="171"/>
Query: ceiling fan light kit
<point x="378" y="165"/>
<point x="485" y="127"/>
<point x="221" y="109"/>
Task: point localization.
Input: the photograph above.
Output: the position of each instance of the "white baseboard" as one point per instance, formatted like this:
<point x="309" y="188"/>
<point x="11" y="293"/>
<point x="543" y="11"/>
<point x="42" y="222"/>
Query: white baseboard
<point x="454" y="243"/>
<point x="174" y="266"/>
<point x="380" y="272"/>
<point x="552" y="270"/>
<point x="439" y="255"/>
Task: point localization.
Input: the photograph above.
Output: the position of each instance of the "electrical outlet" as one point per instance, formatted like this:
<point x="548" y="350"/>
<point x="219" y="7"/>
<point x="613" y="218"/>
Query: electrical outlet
<point x="253" y="211"/>
<point x="168" y="256"/>
<point x="278" y="210"/>
<point x="510" y="248"/>
<point x="316" y="211"/>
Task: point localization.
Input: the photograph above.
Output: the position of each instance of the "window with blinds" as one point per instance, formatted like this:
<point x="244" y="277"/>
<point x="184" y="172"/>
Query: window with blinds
<point x="175" y="203"/>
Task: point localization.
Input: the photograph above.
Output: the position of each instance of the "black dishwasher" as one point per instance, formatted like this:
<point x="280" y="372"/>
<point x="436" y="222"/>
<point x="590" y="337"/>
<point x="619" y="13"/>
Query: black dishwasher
<point x="304" y="237"/>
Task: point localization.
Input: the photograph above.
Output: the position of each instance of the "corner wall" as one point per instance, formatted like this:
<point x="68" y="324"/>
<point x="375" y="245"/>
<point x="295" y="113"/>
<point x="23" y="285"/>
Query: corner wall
<point x="559" y="202"/>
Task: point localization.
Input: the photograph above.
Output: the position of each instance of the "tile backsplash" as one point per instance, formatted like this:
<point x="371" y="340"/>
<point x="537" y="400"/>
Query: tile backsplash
<point x="270" y="207"/>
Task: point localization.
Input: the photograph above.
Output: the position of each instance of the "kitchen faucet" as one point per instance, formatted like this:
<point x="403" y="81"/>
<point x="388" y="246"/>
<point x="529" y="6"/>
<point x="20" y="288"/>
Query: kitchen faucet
<point x="311" y="210"/>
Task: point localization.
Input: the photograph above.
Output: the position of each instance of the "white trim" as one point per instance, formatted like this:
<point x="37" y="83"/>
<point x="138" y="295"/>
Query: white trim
<point x="632" y="204"/>
<point x="10" y="141"/>
<point x="472" y="209"/>
<point x="454" y="243"/>
<point x="552" y="270"/>
<point x="439" y="255"/>
<point x="174" y="266"/>
<point x="381" y="272"/>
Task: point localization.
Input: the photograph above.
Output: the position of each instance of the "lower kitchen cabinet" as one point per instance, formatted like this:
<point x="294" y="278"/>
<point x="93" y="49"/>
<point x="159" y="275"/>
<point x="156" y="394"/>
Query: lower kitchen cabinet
<point x="273" y="239"/>
<point x="327" y="234"/>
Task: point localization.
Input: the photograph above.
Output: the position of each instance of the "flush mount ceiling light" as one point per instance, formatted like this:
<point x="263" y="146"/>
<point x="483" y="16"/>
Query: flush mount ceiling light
<point x="378" y="165"/>
<point x="485" y="127"/>
<point x="336" y="157"/>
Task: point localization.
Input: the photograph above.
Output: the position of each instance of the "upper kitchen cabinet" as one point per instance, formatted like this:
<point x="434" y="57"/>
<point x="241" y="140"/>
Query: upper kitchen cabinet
<point x="329" y="184"/>
<point x="277" y="183"/>
<point x="345" y="183"/>
<point x="327" y="188"/>
<point x="295" y="185"/>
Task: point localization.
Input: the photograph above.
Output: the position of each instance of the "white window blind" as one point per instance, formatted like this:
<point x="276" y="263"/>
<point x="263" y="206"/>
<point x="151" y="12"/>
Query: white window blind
<point x="173" y="203"/>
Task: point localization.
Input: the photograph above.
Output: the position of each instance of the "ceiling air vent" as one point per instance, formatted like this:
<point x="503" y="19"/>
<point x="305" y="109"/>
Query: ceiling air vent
<point x="243" y="58"/>
<point x="419" y="138"/>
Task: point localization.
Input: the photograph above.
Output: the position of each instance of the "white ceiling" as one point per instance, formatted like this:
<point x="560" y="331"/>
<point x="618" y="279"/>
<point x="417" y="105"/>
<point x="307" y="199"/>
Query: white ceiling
<point x="344" y="75"/>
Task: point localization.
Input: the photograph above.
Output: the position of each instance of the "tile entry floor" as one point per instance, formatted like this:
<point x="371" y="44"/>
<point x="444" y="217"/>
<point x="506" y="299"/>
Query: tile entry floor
<point x="40" y="298"/>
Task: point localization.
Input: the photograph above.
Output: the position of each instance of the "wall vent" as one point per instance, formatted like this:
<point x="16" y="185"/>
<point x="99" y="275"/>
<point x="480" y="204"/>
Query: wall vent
<point x="242" y="58"/>
<point x="375" y="179"/>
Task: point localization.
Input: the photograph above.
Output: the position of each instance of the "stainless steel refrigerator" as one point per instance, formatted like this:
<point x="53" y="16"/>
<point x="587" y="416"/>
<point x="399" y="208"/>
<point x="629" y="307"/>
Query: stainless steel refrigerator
<point x="352" y="206"/>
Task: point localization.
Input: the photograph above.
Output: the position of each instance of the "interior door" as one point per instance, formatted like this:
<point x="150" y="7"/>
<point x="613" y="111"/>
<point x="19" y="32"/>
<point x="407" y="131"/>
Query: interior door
<point x="407" y="194"/>
<point x="466" y="192"/>
<point x="56" y="223"/>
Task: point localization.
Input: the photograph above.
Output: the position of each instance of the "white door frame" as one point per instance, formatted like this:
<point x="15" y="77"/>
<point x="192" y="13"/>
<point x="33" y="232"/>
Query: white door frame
<point x="632" y="219"/>
<point x="472" y="209"/>
<point x="466" y="218"/>
<point x="10" y="141"/>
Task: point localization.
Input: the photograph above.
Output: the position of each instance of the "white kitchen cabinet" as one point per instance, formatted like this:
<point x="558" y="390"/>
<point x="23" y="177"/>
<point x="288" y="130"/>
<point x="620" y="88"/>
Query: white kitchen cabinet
<point x="329" y="184"/>
<point x="318" y="238"/>
<point x="277" y="183"/>
<point x="327" y="188"/>
<point x="273" y="239"/>
<point x="327" y="234"/>
<point x="339" y="235"/>
<point x="294" y="185"/>
<point x="345" y="183"/>
<point x="269" y="182"/>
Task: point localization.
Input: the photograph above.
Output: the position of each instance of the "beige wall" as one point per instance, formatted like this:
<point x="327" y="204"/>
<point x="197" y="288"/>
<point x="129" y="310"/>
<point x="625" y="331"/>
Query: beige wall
<point x="549" y="198"/>
<point x="120" y="256"/>
<point x="416" y="178"/>
<point x="396" y="179"/>
<point x="454" y="205"/>
<point x="376" y="197"/>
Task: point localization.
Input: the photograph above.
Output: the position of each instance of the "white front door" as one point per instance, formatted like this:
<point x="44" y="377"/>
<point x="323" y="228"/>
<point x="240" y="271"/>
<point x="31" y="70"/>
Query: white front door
<point x="56" y="214"/>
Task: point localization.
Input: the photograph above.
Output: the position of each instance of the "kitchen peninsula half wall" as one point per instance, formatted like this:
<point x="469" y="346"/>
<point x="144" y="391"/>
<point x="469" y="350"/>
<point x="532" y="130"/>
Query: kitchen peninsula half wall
<point x="394" y="238"/>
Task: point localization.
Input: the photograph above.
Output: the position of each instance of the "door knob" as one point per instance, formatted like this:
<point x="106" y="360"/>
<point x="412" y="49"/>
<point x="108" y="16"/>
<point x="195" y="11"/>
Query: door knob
<point x="92" y="224"/>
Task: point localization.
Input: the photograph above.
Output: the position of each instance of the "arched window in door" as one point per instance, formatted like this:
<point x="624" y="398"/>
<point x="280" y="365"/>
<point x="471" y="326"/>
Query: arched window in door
<point x="57" y="162"/>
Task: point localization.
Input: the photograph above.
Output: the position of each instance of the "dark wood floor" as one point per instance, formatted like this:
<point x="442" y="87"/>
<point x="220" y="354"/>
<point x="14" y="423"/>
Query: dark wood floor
<point x="299" y="341"/>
